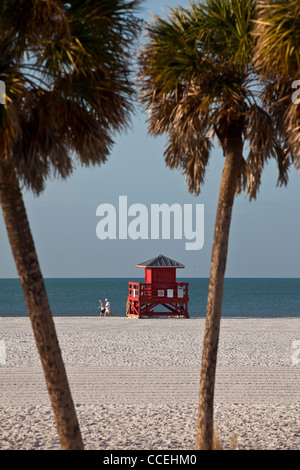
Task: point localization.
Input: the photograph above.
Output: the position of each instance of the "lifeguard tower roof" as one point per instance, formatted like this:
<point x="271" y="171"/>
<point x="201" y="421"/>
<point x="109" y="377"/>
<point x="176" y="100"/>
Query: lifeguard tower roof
<point x="160" y="261"/>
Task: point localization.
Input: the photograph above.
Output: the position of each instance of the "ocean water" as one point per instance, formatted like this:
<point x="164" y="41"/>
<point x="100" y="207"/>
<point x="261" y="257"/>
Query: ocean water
<point x="252" y="298"/>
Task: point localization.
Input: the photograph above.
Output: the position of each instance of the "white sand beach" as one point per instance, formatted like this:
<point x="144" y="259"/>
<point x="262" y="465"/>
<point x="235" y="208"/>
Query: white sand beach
<point x="135" y="383"/>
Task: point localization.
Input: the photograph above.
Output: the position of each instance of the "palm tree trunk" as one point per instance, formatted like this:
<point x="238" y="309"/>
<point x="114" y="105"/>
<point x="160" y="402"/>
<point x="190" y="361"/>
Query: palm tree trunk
<point x="232" y="146"/>
<point x="27" y="264"/>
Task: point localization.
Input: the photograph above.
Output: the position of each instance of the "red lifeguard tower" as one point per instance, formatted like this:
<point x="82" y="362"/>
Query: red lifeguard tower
<point x="160" y="288"/>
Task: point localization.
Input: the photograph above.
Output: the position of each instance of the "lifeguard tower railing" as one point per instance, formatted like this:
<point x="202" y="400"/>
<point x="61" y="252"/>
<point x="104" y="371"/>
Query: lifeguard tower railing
<point x="143" y="298"/>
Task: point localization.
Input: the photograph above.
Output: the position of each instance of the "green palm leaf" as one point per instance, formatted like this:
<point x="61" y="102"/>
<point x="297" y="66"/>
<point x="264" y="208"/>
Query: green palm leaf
<point x="196" y="73"/>
<point x="72" y="61"/>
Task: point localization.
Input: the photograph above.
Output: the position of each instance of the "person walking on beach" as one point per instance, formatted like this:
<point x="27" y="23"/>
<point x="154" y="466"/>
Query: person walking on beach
<point x="107" y="308"/>
<point x="102" y="308"/>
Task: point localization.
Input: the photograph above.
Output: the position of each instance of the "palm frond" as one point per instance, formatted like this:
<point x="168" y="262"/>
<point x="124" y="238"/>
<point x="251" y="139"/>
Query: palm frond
<point x="189" y="79"/>
<point x="277" y="59"/>
<point x="264" y="143"/>
<point x="278" y="29"/>
<point x="197" y="81"/>
<point x="67" y="66"/>
<point x="190" y="153"/>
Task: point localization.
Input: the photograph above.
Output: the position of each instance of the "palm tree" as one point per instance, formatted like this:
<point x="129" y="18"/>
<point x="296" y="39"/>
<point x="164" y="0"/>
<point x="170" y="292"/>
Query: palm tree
<point x="277" y="58"/>
<point x="68" y="90"/>
<point x="197" y="81"/>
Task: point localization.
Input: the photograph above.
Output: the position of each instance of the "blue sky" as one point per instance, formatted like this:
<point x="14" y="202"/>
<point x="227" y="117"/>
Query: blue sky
<point x="264" y="237"/>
